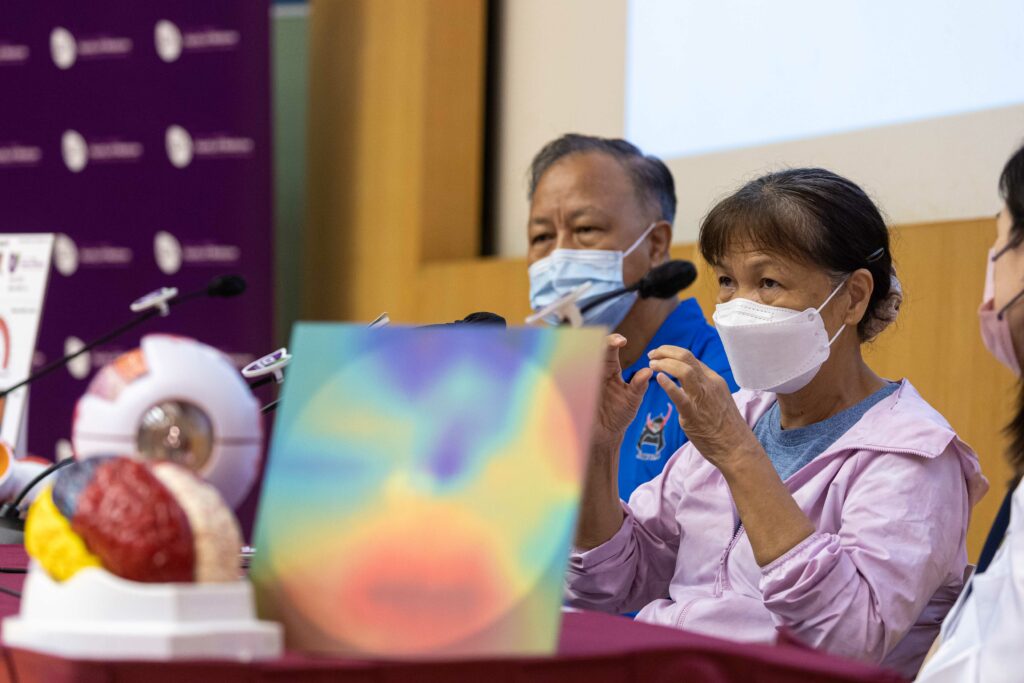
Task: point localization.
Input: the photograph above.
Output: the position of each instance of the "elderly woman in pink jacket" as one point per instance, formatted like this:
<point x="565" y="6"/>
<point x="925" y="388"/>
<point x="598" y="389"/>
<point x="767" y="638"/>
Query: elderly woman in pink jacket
<point x="821" y="499"/>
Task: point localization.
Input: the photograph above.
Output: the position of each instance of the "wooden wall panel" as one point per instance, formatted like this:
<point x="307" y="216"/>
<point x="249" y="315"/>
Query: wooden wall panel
<point x="396" y="149"/>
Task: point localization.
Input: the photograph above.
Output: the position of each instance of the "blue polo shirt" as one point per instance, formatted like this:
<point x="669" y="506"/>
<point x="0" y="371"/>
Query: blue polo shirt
<point x="655" y="434"/>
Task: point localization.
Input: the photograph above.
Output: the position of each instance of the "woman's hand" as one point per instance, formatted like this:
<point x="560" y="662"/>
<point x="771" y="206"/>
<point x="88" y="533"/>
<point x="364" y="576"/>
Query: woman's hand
<point x="619" y="400"/>
<point x="706" y="410"/>
<point x="775" y="523"/>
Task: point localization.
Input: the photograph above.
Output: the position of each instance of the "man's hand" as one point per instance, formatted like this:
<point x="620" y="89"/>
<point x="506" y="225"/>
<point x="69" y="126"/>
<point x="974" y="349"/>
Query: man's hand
<point x="619" y="400"/>
<point x="600" y="511"/>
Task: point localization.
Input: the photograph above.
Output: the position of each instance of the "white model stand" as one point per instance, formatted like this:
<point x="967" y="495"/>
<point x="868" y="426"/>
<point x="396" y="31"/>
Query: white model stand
<point x="96" y="615"/>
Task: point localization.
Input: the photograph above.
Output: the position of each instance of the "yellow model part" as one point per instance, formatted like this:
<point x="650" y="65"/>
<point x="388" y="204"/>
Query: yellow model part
<point x="50" y="540"/>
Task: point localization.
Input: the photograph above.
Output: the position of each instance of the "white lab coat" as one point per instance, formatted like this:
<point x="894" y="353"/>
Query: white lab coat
<point x="983" y="635"/>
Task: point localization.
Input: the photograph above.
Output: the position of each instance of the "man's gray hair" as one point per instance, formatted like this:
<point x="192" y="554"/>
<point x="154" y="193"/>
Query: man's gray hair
<point x="651" y="178"/>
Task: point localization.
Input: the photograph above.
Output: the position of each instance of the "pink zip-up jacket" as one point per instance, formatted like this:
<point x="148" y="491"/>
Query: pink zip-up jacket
<point x="890" y="500"/>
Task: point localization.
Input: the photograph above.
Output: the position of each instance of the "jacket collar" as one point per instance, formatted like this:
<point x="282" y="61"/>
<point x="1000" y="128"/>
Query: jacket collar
<point x="903" y="422"/>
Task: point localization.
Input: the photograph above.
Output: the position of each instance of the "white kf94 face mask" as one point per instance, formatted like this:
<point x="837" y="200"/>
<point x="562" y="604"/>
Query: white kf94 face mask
<point x="774" y="349"/>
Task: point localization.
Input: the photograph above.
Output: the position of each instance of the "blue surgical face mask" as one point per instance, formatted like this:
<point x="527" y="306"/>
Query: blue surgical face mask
<point x="563" y="270"/>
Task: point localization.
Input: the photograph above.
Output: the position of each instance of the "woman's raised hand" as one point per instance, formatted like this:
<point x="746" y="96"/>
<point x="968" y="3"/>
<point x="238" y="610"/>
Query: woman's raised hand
<point x="706" y="409"/>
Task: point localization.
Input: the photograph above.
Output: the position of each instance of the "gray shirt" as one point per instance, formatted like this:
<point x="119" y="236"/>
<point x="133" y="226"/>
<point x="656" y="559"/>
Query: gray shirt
<point x="791" y="449"/>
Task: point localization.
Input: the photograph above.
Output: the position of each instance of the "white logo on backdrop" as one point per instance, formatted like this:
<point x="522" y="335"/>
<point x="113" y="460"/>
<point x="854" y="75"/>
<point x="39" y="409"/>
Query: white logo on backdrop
<point x="211" y="253"/>
<point x="168" y="40"/>
<point x="63" y="48"/>
<point x="212" y="39"/>
<point x="167" y="251"/>
<point x="13" y="54"/>
<point x="78" y="367"/>
<point x="225" y="146"/>
<point x="65" y="255"/>
<point x="179" y="146"/>
<point x="75" y="150"/>
<point x="15" y="154"/>
<point x="105" y="255"/>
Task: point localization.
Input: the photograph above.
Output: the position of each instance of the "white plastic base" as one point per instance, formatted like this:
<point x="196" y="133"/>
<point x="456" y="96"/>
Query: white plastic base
<point x="96" y="615"/>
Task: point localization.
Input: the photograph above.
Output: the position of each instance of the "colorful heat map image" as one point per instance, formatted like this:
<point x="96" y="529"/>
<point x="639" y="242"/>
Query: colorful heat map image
<point x="422" y="488"/>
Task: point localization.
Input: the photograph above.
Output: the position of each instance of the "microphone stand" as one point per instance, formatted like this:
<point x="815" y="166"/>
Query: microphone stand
<point x="61" y="362"/>
<point x="607" y="296"/>
<point x="665" y="275"/>
<point x="134" y="322"/>
<point x="12" y="526"/>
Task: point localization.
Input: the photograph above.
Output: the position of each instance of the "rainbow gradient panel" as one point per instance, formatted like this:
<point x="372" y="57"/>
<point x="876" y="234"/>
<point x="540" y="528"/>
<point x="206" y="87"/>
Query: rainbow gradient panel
<point x="422" y="488"/>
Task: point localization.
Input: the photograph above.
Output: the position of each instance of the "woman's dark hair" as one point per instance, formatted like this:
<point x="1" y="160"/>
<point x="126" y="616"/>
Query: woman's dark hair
<point x="814" y="216"/>
<point x="1011" y="189"/>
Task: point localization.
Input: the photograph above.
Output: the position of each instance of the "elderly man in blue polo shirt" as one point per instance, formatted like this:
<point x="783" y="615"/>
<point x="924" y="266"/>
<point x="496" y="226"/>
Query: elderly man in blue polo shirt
<point x="601" y="211"/>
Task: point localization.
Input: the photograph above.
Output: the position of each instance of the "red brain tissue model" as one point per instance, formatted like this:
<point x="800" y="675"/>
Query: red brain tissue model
<point x="141" y="521"/>
<point x="134" y="524"/>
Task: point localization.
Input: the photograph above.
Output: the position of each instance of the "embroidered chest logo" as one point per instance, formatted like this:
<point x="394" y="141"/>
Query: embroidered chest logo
<point x="652" y="439"/>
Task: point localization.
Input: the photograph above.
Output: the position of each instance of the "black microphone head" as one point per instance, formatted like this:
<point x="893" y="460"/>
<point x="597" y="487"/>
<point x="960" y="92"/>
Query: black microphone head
<point x="483" y="318"/>
<point x="479" y="318"/>
<point x="667" y="280"/>
<point x="226" y="286"/>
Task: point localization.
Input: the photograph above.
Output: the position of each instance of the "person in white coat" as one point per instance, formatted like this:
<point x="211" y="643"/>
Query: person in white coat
<point x="982" y="638"/>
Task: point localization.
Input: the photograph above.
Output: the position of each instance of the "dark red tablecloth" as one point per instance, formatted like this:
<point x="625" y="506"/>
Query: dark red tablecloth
<point x="593" y="648"/>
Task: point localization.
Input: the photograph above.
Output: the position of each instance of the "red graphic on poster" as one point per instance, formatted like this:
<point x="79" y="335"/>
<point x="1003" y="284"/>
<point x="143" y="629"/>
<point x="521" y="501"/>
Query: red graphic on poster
<point x="5" y="345"/>
<point x="5" y="357"/>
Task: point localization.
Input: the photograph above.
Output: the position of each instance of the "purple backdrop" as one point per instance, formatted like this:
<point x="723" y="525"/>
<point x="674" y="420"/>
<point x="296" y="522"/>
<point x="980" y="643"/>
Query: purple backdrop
<point x="167" y="105"/>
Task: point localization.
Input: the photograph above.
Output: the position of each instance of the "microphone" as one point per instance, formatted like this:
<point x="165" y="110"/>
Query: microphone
<point x="661" y="282"/>
<point x="13" y="481"/>
<point x="150" y="306"/>
<point x="478" y="318"/>
<point x="271" y="367"/>
<point x="220" y="287"/>
<point x="226" y="286"/>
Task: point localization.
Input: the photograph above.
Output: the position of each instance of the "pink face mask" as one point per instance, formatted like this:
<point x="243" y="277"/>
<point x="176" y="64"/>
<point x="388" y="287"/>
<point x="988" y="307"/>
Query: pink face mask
<point x="995" y="331"/>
